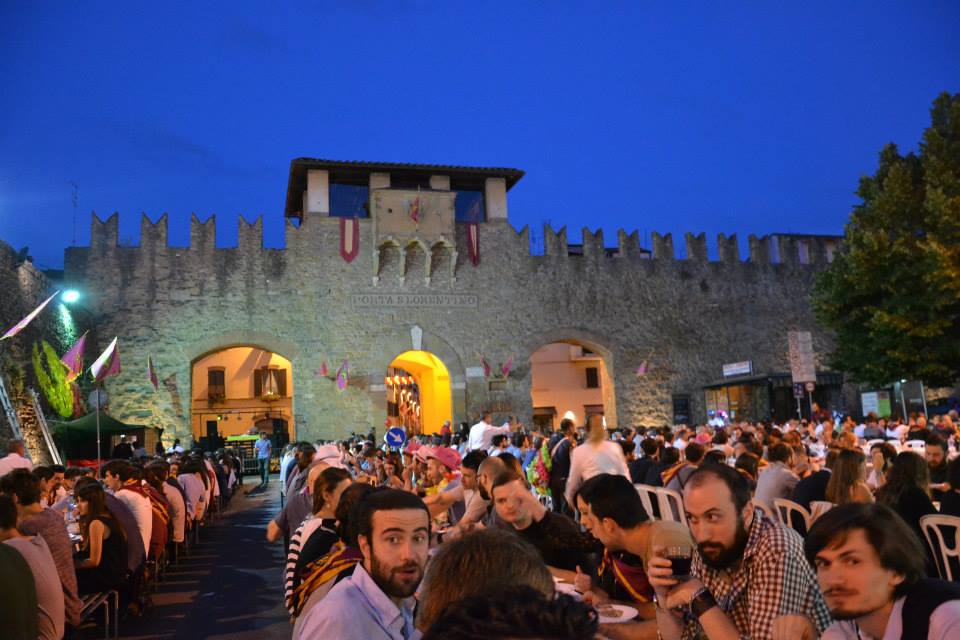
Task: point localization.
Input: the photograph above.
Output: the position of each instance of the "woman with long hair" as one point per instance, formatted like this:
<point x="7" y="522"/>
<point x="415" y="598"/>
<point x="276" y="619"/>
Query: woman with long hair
<point x="907" y="491"/>
<point x="882" y="455"/>
<point x="392" y="471"/>
<point x="596" y="455"/>
<point x="104" y="565"/>
<point x="848" y="479"/>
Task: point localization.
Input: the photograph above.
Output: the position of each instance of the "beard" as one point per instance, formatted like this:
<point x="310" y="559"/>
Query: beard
<point x="483" y="492"/>
<point x="392" y="584"/>
<point x="717" y="556"/>
<point x="850" y="614"/>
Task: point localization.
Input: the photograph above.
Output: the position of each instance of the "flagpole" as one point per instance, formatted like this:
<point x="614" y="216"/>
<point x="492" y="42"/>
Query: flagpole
<point x="97" y="396"/>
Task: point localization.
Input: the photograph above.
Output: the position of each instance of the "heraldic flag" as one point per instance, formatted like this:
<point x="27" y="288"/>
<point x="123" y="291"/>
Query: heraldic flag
<point x="343" y="375"/>
<point x="152" y="374"/>
<point x="108" y="364"/>
<point x="20" y="326"/>
<point x="73" y="359"/>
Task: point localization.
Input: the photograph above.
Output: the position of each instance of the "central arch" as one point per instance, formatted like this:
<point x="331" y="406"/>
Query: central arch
<point x="418" y="392"/>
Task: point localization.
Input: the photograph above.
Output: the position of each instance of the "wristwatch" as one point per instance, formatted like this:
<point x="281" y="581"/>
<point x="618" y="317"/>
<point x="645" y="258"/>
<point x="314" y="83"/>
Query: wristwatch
<point x="701" y="602"/>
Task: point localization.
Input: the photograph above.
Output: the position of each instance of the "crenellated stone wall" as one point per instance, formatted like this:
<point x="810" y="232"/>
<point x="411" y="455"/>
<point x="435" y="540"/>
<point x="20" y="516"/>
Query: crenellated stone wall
<point x="685" y="317"/>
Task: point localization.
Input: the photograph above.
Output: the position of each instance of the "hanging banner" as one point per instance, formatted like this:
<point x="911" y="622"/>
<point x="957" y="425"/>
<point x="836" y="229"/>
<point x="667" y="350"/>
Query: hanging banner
<point x="473" y="242"/>
<point x="349" y="238"/>
<point x="802" y="359"/>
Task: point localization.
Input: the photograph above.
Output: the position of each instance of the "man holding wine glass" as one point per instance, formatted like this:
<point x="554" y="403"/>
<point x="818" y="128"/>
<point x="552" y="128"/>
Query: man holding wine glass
<point x="748" y="572"/>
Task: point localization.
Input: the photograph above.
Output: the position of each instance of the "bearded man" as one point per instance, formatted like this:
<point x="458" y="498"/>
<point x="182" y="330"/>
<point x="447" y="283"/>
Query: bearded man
<point x="750" y="575"/>
<point x="376" y="602"/>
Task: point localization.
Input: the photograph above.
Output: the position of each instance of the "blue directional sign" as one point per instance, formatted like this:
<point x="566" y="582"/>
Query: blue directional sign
<point x="395" y="437"/>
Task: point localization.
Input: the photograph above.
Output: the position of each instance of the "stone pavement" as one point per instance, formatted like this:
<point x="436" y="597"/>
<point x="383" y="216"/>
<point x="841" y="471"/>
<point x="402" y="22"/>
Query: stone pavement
<point x="229" y="586"/>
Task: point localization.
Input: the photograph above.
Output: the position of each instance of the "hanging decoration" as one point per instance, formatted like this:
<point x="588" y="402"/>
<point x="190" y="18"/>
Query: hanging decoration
<point x="152" y="374"/>
<point x="20" y="326"/>
<point x="73" y="359"/>
<point x="343" y="375"/>
<point x="473" y="242"/>
<point x="108" y="364"/>
<point x="486" y="366"/>
<point x="506" y="367"/>
<point x="349" y="238"/>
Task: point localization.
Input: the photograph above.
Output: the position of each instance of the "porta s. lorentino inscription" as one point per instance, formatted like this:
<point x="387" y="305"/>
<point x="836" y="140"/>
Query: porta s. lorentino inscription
<point x="417" y="300"/>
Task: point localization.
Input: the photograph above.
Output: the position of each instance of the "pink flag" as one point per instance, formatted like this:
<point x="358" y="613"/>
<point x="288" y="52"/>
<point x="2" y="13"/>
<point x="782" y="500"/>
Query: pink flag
<point x="20" y="326"/>
<point x="108" y="364"/>
<point x="152" y="374"/>
<point x="473" y="242"/>
<point x="505" y="369"/>
<point x="642" y="369"/>
<point x="343" y="375"/>
<point x="324" y="369"/>
<point x="74" y="358"/>
<point x="486" y="366"/>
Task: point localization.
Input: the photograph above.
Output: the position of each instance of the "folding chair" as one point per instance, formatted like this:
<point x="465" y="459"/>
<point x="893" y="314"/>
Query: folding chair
<point x="791" y="514"/>
<point x="943" y="537"/>
<point x="648" y="498"/>
<point x="671" y="505"/>
<point x="818" y="508"/>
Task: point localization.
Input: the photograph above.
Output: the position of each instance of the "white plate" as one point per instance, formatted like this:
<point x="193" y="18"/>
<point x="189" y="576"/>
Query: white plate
<point x="626" y="613"/>
<point x="568" y="589"/>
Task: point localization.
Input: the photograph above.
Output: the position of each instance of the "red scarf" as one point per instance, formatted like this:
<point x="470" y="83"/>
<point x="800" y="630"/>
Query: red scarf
<point x="157" y="503"/>
<point x="633" y="579"/>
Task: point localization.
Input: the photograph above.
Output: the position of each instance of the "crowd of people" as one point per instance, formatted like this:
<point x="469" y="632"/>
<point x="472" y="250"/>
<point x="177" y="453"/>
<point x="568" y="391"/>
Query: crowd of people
<point x="69" y="535"/>
<point x="498" y="531"/>
<point x="491" y="531"/>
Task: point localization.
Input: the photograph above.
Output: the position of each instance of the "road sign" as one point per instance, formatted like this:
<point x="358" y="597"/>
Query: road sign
<point x="798" y="390"/>
<point x="810" y="386"/>
<point x="395" y="437"/>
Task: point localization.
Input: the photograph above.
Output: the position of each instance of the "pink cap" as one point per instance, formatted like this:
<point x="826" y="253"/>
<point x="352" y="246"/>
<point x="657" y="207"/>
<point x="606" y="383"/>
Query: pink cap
<point x="423" y="452"/>
<point x="448" y="457"/>
<point x="704" y="438"/>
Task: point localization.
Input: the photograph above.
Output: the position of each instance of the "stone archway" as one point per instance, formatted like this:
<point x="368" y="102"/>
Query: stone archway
<point x="597" y="344"/>
<point x="412" y="337"/>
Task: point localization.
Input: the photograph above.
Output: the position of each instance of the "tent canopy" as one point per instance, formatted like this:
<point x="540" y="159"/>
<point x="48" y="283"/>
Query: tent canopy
<point x="78" y="438"/>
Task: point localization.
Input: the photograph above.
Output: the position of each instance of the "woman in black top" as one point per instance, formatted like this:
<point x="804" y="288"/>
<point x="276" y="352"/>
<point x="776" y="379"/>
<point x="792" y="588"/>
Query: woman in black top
<point x="105" y="566"/>
<point x="907" y="491"/>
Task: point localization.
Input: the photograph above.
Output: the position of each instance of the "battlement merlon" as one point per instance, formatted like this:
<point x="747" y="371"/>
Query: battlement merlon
<point x="153" y="234"/>
<point x="312" y="180"/>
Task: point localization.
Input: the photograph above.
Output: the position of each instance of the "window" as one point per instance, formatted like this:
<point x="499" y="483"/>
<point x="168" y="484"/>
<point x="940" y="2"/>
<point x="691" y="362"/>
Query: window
<point x="216" y="386"/>
<point x="469" y="206"/>
<point x="681" y="409"/>
<point x="270" y="382"/>
<point x="592" y="410"/>
<point x="593" y="378"/>
<point x="349" y="200"/>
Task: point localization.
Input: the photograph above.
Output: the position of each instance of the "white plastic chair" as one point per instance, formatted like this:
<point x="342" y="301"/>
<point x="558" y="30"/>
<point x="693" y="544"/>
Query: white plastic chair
<point x="943" y="537"/>
<point x="917" y="446"/>
<point x="766" y="510"/>
<point x="671" y="505"/>
<point x="818" y="508"/>
<point x="785" y="511"/>
<point x="648" y="497"/>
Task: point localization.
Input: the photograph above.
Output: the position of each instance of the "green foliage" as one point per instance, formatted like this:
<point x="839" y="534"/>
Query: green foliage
<point x="892" y="296"/>
<point x="53" y="379"/>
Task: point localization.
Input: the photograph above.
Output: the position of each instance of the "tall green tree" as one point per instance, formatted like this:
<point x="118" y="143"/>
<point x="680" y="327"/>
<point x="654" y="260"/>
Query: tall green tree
<point x="892" y="295"/>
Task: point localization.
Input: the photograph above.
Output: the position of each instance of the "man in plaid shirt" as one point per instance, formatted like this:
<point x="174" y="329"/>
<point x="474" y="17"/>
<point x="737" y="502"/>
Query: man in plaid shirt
<point x="751" y="579"/>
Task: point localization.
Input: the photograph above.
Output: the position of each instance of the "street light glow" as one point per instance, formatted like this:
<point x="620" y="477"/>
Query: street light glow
<point x="70" y="296"/>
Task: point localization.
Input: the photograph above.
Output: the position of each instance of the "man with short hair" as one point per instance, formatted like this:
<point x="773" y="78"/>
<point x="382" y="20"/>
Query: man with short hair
<point x="475" y="506"/>
<point x="611" y="510"/>
<point x="32" y="520"/>
<point x="443" y="466"/>
<point x="561" y="449"/>
<point x="298" y="507"/>
<point x="556" y="537"/>
<point x="119" y="477"/>
<point x="499" y="444"/>
<point x="481" y="434"/>
<point x="778" y="479"/>
<point x="376" y="602"/>
<point x="748" y="570"/>
<point x="936" y="454"/>
<point x="639" y="467"/>
<point x="123" y="450"/>
<point x="870" y="566"/>
<point x="263" y="447"/>
<point x="15" y="458"/>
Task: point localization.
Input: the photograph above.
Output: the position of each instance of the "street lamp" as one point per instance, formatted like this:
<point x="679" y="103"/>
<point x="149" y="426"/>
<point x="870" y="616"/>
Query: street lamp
<point x="70" y="296"/>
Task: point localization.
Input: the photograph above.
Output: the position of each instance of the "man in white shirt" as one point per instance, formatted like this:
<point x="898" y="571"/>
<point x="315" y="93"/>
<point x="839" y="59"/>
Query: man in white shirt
<point x="870" y="567"/>
<point x="15" y="458"/>
<point x="117" y="475"/>
<point x="481" y="434"/>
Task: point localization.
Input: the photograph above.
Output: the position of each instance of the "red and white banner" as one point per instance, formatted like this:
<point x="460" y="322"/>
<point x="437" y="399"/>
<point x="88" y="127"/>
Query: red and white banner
<point x="349" y="238"/>
<point x="473" y="242"/>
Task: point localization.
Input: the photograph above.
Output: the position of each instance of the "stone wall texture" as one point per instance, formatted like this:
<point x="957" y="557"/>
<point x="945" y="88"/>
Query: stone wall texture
<point x="685" y="317"/>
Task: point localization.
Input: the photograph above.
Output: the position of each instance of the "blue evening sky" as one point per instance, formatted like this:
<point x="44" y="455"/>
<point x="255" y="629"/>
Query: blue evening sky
<point x="672" y="116"/>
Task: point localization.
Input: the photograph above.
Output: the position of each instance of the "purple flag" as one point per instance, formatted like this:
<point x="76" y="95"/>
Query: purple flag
<point x="642" y="369"/>
<point x="505" y="369"/>
<point x="74" y="358"/>
<point x="343" y="375"/>
<point x="20" y="326"/>
<point x="108" y="364"/>
<point x="152" y="374"/>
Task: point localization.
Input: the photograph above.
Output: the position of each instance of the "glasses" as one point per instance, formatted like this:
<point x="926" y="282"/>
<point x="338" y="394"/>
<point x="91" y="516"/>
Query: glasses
<point x="681" y="558"/>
